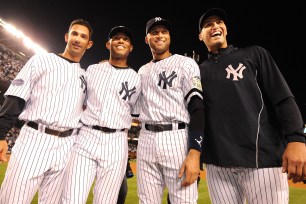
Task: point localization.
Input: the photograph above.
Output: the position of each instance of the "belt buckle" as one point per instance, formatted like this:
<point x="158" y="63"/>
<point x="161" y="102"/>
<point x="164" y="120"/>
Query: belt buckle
<point x="158" y="128"/>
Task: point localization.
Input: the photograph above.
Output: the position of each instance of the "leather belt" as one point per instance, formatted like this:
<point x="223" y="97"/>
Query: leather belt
<point x="50" y="131"/>
<point x="163" y="127"/>
<point x="105" y="129"/>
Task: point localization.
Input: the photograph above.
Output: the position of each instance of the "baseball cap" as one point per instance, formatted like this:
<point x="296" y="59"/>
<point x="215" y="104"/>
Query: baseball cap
<point x="158" y="21"/>
<point x="212" y="12"/>
<point x="120" y="29"/>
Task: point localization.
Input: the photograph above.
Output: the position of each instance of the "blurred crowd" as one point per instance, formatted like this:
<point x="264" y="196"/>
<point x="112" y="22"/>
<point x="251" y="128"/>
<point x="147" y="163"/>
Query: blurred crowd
<point x="10" y="64"/>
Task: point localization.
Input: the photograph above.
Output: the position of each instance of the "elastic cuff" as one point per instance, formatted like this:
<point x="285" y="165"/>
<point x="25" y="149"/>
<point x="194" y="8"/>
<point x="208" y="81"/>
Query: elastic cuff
<point x="196" y="140"/>
<point x="296" y="138"/>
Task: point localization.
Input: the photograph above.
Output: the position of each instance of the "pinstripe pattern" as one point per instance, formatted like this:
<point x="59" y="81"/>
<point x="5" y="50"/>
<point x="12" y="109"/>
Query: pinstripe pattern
<point x="230" y="185"/>
<point x="37" y="161"/>
<point x="97" y="155"/>
<point x="54" y="95"/>
<point x="160" y="155"/>
<point x="105" y="105"/>
<point x="94" y="158"/>
<point x="168" y="104"/>
<point x="58" y="83"/>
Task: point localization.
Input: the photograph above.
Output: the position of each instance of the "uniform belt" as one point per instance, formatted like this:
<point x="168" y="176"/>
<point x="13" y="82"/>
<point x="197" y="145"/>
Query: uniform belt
<point x="163" y="127"/>
<point x="105" y="129"/>
<point x="50" y="131"/>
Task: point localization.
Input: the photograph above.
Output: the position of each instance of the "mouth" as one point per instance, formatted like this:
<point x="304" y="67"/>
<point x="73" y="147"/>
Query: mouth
<point x="120" y="47"/>
<point x="217" y="33"/>
<point x="76" y="45"/>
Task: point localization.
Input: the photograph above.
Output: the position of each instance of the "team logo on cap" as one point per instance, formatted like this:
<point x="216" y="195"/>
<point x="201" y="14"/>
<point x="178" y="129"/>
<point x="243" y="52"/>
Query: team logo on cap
<point x="158" y="19"/>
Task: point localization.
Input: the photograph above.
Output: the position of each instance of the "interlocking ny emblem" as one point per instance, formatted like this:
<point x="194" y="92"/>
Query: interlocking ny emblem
<point x="235" y="72"/>
<point x="128" y="92"/>
<point x="166" y="80"/>
<point x="158" y="19"/>
<point x="83" y="83"/>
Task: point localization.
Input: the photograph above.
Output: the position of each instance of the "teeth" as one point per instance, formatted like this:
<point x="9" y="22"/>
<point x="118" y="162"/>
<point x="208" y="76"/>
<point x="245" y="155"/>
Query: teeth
<point x="216" y="33"/>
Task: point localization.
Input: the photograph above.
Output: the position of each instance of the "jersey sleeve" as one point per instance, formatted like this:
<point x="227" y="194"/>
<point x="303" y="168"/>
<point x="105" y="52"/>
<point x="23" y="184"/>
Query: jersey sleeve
<point x="269" y="76"/>
<point x="24" y="81"/>
<point x="192" y="81"/>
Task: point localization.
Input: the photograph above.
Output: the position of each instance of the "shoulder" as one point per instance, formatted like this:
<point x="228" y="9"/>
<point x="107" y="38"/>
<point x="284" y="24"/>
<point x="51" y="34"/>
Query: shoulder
<point x="97" y="66"/>
<point x="145" y="67"/>
<point x="253" y="49"/>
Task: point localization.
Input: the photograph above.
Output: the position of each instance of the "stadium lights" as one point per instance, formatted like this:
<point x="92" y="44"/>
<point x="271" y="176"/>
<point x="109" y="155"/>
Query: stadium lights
<point x="18" y="34"/>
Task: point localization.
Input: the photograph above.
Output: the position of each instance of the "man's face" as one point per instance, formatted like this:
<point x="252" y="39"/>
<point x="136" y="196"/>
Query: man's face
<point x="120" y="45"/>
<point x="214" y="33"/>
<point x="78" y="40"/>
<point x="158" y="39"/>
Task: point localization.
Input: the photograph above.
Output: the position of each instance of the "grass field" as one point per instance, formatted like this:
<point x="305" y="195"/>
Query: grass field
<point x="297" y="195"/>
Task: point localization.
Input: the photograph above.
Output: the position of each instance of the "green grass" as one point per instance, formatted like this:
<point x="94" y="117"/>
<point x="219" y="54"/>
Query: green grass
<point x="297" y="195"/>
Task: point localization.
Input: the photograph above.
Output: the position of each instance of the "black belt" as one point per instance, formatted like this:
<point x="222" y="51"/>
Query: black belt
<point x="104" y="129"/>
<point x="163" y="127"/>
<point x="50" y="131"/>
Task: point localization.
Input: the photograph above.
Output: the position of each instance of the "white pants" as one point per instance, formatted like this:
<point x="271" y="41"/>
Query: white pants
<point x="159" y="158"/>
<point x="100" y="157"/>
<point x="37" y="162"/>
<point x="234" y="185"/>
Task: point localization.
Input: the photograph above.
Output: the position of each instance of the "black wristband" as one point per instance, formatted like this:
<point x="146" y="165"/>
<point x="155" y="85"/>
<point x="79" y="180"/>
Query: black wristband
<point x="196" y="140"/>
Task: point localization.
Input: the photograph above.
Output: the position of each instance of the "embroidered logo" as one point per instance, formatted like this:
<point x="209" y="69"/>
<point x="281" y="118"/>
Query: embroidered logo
<point x="163" y="79"/>
<point x="158" y="19"/>
<point x="199" y="141"/>
<point x="235" y="72"/>
<point x="196" y="81"/>
<point x="83" y="83"/>
<point x="127" y="92"/>
<point x="17" y="82"/>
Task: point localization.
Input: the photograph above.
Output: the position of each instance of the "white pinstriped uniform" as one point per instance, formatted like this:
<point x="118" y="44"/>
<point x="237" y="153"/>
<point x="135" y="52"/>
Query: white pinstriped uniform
<point x="54" y="91"/>
<point x="252" y="181"/>
<point x="112" y="94"/>
<point x="167" y="87"/>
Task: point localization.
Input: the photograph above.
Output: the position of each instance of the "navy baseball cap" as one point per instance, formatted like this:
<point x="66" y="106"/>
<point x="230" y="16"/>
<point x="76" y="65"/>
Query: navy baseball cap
<point x="212" y="12"/>
<point x="158" y="21"/>
<point x="120" y="29"/>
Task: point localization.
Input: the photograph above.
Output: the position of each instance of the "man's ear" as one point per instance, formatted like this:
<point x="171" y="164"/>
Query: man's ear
<point x="90" y="43"/>
<point x="107" y="44"/>
<point x="66" y="37"/>
<point x="200" y="37"/>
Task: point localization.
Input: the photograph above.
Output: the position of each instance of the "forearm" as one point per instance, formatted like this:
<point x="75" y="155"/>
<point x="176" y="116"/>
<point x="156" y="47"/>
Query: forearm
<point x="196" y="125"/>
<point x="11" y="109"/>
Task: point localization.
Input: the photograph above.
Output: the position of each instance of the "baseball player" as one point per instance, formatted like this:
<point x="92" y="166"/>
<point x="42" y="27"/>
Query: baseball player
<point x="171" y="112"/>
<point x="100" y="152"/>
<point x="254" y="129"/>
<point x="48" y="94"/>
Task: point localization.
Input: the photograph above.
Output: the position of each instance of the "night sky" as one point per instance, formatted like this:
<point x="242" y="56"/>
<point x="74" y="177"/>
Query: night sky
<point x="278" y="28"/>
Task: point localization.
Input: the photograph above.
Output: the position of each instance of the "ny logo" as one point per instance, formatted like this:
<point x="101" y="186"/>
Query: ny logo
<point x="235" y="72"/>
<point x="128" y="92"/>
<point x="83" y="83"/>
<point x="167" y="80"/>
<point x="158" y="19"/>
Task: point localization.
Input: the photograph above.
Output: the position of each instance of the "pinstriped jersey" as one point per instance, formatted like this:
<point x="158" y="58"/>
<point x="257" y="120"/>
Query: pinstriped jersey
<point x="167" y="86"/>
<point x="54" y="90"/>
<point x="111" y="95"/>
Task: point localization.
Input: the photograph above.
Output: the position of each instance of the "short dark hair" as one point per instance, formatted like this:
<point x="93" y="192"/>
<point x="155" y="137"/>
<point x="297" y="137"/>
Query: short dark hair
<point x="84" y="23"/>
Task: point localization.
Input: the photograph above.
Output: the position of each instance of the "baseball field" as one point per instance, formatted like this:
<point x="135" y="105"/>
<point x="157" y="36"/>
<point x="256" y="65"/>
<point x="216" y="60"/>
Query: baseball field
<point x="297" y="191"/>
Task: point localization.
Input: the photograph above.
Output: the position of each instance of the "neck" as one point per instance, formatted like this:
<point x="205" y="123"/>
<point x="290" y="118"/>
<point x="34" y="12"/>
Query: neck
<point x="122" y="63"/>
<point x="161" y="56"/>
